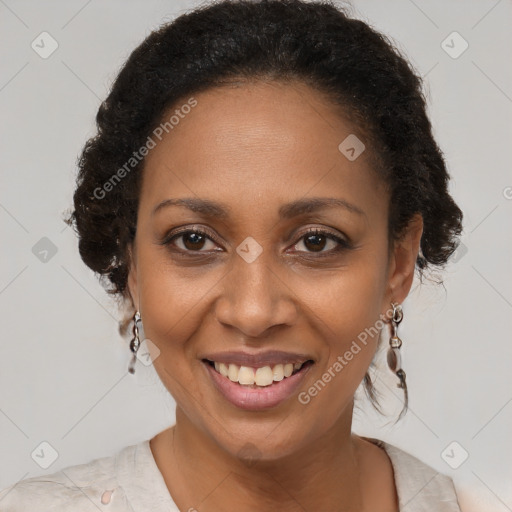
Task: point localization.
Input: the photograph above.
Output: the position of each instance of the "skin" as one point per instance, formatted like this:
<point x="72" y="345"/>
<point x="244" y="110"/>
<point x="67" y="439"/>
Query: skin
<point x="254" y="147"/>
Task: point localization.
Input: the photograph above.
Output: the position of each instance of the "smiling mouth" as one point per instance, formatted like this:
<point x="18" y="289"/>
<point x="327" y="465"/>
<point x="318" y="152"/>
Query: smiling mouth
<point x="251" y="377"/>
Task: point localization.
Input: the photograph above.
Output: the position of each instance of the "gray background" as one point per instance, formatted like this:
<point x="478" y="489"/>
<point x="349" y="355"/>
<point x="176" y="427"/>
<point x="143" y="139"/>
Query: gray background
<point x="63" y="367"/>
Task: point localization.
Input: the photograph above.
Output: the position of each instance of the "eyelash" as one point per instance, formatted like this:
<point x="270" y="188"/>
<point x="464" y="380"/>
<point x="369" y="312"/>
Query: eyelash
<point x="342" y="243"/>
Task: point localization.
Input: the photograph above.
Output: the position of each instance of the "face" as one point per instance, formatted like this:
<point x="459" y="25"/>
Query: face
<point x="279" y="243"/>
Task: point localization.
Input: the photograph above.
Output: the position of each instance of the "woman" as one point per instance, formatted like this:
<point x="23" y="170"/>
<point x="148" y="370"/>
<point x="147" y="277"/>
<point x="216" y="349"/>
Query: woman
<point x="263" y="185"/>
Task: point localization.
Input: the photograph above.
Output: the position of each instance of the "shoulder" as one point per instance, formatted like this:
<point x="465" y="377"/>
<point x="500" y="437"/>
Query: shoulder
<point x="79" y="488"/>
<point x="419" y="486"/>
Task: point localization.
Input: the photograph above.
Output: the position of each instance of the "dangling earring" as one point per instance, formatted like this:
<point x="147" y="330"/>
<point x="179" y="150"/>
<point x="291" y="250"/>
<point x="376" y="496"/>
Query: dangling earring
<point x="394" y="358"/>
<point x="135" y="342"/>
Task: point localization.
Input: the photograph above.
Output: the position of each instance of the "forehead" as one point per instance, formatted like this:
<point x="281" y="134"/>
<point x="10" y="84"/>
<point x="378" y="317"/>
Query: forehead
<point x="256" y="140"/>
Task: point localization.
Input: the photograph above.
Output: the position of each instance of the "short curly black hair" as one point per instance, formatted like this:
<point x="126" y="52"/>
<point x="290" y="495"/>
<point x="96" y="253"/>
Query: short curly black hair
<point x="317" y="43"/>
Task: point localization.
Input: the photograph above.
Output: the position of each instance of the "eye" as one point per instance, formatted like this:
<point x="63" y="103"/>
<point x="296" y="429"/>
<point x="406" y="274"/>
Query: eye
<point x="316" y="240"/>
<point x="191" y="240"/>
<point x="199" y="240"/>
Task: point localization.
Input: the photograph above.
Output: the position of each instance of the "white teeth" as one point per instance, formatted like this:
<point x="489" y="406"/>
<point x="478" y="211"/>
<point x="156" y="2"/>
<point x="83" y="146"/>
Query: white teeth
<point x="278" y="372"/>
<point x="233" y="372"/>
<point x="246" y="375"/>
<point x="263" y="376"/>
<point x="288" y="369"/>
<point x="223" y="369"/>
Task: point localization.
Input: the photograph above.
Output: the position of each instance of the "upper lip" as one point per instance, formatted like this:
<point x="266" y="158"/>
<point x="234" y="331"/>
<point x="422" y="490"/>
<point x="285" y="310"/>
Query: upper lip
<point x="259" y="359"/>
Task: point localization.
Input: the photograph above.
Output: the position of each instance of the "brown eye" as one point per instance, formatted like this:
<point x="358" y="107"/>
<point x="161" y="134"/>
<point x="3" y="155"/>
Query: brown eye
<point x="315" y="242"/>
<point x="318" y="240"/>
<point x="191" y="241"/>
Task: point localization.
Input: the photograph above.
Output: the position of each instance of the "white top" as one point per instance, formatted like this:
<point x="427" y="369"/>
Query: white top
<point x="130" y="481"/>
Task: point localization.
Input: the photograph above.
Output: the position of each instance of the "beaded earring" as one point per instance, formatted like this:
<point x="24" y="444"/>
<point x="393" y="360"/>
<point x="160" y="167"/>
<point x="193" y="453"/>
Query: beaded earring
<point x="394" y="357"/>
<point x="135" y="342"/>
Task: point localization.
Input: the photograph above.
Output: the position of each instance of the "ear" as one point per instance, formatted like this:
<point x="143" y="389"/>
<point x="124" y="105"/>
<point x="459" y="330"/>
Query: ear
<point x="132" y="277"/>
<point x="403" y="261"/>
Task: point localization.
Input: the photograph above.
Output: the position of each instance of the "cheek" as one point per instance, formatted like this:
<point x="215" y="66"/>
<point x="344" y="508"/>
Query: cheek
<point x="175" y="304"/>
<point x="171" y="296"/>
<point x="350" y="300"/>
<point x="350" y="338"/>
<point x="172" y="313"/>
<point x="348" y="308"/>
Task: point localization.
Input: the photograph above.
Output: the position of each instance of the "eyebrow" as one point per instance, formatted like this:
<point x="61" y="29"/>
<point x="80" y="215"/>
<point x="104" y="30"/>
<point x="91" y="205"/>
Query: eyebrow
<point x="210" y="208"/>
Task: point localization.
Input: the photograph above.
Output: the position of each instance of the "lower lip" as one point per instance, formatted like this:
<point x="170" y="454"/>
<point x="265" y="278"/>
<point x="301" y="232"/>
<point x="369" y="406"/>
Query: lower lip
<point x="257" y="399"/>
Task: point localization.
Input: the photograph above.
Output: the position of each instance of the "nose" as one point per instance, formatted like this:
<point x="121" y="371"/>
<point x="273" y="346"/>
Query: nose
<point x="256" y="299"/>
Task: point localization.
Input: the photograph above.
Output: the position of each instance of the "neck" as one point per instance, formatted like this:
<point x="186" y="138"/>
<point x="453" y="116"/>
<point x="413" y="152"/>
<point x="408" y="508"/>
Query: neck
<point x="200" y="474"/>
